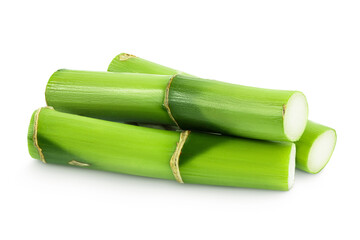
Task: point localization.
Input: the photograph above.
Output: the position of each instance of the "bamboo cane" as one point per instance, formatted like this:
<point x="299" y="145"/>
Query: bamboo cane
<point x="67" y="139"/>
<point x="188" y="102"/>
<point x="315" y="147"/>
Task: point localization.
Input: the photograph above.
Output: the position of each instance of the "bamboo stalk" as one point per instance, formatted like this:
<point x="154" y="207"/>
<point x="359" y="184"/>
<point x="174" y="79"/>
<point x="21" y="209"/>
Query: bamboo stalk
<point x="121" y="97"/>
<point x="84" y="142"/>
<point x="190" y="102"/>
<point x="314" y="148"/>
<point x="129" y="63"/>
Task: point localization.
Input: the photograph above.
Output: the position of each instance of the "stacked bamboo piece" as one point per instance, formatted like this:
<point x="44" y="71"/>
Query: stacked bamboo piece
<point x="145" y="119"/>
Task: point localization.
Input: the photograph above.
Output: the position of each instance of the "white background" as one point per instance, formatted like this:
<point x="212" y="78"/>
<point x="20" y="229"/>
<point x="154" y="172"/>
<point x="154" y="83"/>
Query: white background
<point x="312" y="46"/>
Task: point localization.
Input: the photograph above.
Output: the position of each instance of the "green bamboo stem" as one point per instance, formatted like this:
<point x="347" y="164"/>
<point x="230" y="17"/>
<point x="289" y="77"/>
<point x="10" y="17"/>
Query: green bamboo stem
<point x="192" y="103"/>
<point x="129" y="63"/>
<point x="315" y="147"/>
<point x="122" y="97"/>
<point x="314" y="136"/>
<point x="69" y="139"/>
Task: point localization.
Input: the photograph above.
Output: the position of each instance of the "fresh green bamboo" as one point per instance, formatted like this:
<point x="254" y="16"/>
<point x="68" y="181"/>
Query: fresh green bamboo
<point x="315" y="147"/>
<point x="68" y="139"/>
<point x="192" y="103"/>
<point x="315" y="136"/>
<point x="125" y="97"/>
<point x="129" y="63"/>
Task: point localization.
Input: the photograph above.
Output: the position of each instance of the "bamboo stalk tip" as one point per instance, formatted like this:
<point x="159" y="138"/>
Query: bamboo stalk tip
<point x="295" y="116"/>
<point x="31" y="145"/>
<point x="34" y="149"/>
<point x="125" y="56"/>
<point x="321" y="151"/>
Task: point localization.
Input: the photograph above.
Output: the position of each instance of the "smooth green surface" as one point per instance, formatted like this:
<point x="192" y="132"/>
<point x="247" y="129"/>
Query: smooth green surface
<point x="228" y="108"/>
<point x="219" y="160"/>
<point x="124" y="63"/>
<point x="122" y="148"/>
<point x="312" y="132"/>
<point x="105" y="145"/>
<point x="111" y="96"/>
<point x="196" y="104"/>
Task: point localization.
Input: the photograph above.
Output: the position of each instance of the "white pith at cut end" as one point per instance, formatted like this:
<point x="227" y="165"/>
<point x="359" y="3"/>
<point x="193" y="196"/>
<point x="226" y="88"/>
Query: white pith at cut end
<point x="291" y="171"/>
<point x="321" y="151"/>
<point x="295" y="116"/>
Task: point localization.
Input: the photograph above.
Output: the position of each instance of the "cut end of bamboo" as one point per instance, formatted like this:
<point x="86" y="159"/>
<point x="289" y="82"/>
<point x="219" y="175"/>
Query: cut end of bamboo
<point x="31" y="146"/>
<point x="291" y="176"/>
<point x="295" y="114"/>
<point x="321" y="151"/>
<point x="125" y="56"/>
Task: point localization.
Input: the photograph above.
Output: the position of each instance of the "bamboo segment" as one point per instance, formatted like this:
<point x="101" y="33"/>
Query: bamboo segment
<point x="125" y="97"/>
<point x="129" y="63"/>
<point x="315" y="147"/>
<point x="84" y="142"/>
<point x="237" y="110"/>
<point x="315" y="136"/>
<point x="191" y="103"/>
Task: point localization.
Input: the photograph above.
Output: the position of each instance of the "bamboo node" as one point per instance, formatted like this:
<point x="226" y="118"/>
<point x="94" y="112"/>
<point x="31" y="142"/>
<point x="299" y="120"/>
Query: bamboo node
<point x="283" y="110"/>
<point x="174" y="161"/>
<point x="126" y="56"/>
<point x="166" y="100"/>
<point x="35" y="133"/>
<point x="78" y="164"/>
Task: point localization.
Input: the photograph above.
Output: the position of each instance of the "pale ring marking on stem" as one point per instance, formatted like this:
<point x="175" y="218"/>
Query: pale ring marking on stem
<point x="166" y="100"/>
<point x="35" y="133"/>
<point x="78" y="164"/>
<point x="174" y="161"/>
